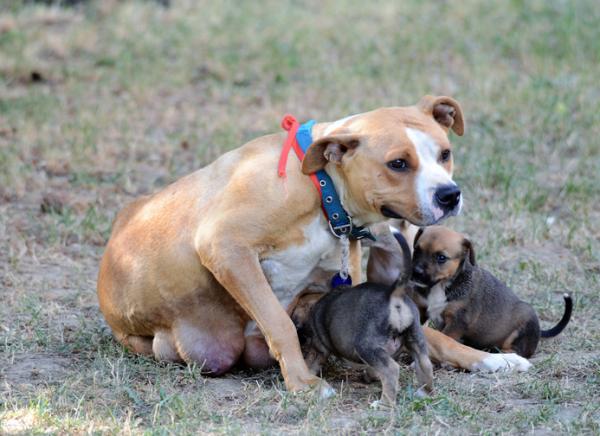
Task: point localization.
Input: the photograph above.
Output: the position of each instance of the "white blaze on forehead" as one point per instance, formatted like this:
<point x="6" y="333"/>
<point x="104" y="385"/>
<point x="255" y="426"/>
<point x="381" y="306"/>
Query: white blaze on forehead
<point x="431" y="174"/>
<point x="428" y="152"/>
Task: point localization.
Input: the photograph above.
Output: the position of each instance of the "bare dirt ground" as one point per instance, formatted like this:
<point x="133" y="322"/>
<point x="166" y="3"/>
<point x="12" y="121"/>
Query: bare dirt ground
<point x="108" y="101"/>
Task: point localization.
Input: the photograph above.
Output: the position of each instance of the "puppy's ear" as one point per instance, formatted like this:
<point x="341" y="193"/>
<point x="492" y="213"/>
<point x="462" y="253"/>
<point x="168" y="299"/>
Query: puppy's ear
<point x="471" y="252"/>
<point x="328" y="149"/>
<point x="417" y="236"/>
<point x="299" y="310"/>
<point x="446" y="111"/>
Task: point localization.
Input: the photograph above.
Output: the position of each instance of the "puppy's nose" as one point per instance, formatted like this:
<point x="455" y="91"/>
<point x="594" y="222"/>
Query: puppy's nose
<point x="418" y="276"/>
<point x="448" y="196"/>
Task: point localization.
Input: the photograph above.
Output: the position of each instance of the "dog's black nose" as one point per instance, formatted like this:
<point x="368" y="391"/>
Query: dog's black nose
<point x="448" y="196"/>
<point x="419" y="278"/>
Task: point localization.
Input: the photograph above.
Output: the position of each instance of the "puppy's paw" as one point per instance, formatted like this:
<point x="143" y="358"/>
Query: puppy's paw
<point x="381" y="405"/>
<point x="325" y="391"/>
<point x="502" y="362"/>
<point x="423" y="392"/>
<point x="376" y="404"/>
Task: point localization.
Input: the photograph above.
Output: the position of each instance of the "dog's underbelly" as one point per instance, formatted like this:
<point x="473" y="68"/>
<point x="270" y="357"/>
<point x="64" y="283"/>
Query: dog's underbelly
<point x="289" y="271"/>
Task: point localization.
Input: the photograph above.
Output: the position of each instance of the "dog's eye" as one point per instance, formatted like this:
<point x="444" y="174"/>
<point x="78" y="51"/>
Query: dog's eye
<point x="441" y="259"/>
<point x="445" y="155"/>
<point x="398" y="165"/>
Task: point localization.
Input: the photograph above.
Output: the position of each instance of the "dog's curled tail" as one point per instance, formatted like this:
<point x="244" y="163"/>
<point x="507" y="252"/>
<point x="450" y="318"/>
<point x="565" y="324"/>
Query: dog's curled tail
<point x="564" y="320"/>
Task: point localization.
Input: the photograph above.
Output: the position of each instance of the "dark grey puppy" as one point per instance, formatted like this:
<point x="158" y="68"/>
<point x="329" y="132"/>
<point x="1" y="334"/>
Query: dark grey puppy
<point x="467" y="302"/>
<point x="368" y="324"/>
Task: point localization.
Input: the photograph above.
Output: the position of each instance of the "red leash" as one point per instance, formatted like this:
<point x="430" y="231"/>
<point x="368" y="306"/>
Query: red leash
<point x="290" y="124"/>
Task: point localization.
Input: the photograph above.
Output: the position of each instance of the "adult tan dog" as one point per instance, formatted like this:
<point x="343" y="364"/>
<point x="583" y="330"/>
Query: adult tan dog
<point x="187" y="268"/>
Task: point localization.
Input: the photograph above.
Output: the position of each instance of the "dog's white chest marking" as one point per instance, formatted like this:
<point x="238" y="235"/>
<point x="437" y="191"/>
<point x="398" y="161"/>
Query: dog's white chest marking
<point x="289" y="271"/>
<point x="436" y="302"/>
<point x="400" y="315"/>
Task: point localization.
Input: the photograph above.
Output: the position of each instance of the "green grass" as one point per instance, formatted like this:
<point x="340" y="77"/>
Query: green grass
<point x="131" y="96"/>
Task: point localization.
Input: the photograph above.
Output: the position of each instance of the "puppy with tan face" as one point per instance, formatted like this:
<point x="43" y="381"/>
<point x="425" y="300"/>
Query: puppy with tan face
<point x="467" y="302"/>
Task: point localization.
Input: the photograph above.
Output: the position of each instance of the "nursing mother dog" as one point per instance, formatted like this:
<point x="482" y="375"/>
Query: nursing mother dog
<point x="187" y="269"/>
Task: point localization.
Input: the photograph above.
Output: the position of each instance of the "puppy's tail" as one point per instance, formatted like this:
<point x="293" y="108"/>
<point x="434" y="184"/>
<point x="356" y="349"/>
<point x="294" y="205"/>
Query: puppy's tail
<point x="564" y="320"/>
<point x="406" y="259"/>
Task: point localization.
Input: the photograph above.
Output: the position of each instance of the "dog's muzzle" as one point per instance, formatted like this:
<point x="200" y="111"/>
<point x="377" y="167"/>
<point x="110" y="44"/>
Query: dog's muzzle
<point x="419" y="277"/>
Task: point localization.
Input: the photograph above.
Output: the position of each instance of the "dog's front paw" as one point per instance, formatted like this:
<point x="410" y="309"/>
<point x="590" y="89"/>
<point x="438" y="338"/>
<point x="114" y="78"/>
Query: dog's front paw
<point x="319" y="390"/>
<point x="502" y="362"/>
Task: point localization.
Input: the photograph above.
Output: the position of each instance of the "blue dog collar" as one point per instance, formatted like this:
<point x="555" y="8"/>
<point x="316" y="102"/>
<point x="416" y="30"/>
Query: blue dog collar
<point x="340" y="223"/>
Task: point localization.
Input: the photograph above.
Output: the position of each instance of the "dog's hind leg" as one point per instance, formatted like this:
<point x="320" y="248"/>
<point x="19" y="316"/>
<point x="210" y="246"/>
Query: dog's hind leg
<point x="210" y="331"/>
<point x="524" y="341"/>
<point x="137" y="344"/>
<point x="164" y="347"/>
<point x="256" y="351"/>
<point x="386" y="369"/>
<point x="370" y="375"/>
<point x="388" y="373"/>
<point x="418" y="347"/>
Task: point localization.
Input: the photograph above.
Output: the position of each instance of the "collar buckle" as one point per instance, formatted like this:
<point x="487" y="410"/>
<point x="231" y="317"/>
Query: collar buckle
<point x="342" y="229"/>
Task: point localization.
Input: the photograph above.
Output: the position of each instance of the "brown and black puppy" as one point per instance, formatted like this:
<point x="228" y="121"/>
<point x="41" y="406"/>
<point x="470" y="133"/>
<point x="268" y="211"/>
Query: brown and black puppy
<point x="468" y="303"/>
<point x="368" y="325"/>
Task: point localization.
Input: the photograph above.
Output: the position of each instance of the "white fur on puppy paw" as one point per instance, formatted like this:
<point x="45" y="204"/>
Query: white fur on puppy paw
<point x="375" y="404"/>
<point x="382" y="405"/>
<point x="326" y="391"/>
<point x="502" y="362"/>
<point x="421" y="393"/>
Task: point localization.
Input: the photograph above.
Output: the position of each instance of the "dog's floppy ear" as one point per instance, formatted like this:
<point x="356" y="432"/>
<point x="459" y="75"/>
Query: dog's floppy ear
<point x="300" y="307"/>
<point x="328" y="149"/>
<point x="417" y="236"/>
<point x="446" y="111"/>
<point x="469" y="247"/>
